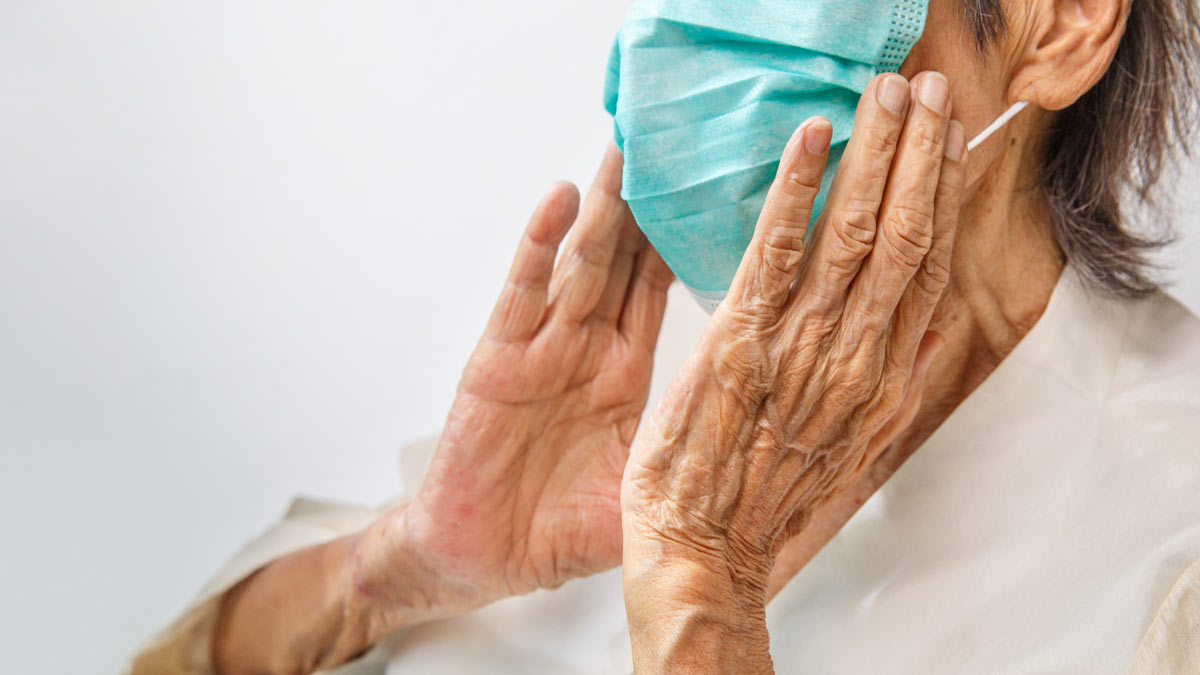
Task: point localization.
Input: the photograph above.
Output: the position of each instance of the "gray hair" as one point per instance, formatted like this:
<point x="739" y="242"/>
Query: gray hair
<point x="1113" y="148"/>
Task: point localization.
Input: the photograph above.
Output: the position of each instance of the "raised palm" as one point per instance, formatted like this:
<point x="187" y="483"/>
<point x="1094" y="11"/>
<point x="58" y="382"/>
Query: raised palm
<point x="524" y="489"/>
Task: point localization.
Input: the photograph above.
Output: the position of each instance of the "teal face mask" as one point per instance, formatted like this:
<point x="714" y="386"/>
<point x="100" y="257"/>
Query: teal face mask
<point x="705" y="95"/>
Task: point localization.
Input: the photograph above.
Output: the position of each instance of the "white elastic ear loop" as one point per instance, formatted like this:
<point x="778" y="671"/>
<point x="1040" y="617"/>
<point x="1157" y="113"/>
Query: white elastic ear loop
<point x="997" y="125"/>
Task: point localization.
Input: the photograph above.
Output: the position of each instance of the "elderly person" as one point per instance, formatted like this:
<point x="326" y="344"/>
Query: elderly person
<point x="986" y="313"/>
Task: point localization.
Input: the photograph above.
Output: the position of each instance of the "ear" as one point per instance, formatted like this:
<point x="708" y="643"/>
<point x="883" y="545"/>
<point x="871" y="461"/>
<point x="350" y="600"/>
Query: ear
<point x="1070" y="47"/>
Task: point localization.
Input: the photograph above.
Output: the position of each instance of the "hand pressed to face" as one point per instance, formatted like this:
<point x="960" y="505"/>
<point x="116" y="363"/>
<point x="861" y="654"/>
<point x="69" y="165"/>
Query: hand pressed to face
<point x="523" y="490"/>
<point x="809" y="368"/>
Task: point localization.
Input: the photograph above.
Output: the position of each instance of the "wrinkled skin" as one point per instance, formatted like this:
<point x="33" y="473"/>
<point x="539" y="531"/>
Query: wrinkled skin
<point x="523" y="490"/>
<point x="783" y="405"/>
<point x="795" y="389"/>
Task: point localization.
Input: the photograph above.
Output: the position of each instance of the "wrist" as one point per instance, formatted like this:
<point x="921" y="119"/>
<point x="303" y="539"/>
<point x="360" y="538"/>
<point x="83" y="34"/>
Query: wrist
<point x="294" y="615"/>
<point x="387" y="585"/>
<point x="732" y="572"/>
<point x="691" y="612"/>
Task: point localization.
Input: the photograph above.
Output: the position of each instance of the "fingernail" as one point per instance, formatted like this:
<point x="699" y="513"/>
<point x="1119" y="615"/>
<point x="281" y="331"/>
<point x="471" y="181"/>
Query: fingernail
<point x="818" y="136"/>
<point x="892" y="94"/>
<point x="956" y="141"/>
<point x="934" y="92"/>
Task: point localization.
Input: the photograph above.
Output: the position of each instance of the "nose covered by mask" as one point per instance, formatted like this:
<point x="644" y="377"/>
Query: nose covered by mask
<point x="705" y="95"/>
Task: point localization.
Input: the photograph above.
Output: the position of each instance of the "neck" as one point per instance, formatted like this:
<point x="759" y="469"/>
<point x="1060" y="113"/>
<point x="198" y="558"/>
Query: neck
<point x="1004" y="270"/>
<point x="1005" y="267"/>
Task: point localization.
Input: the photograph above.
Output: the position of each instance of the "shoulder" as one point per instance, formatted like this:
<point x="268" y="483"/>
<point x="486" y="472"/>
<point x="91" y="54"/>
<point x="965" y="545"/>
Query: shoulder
<point x="1162" y="343"/>
<point x="1157" y="378"/>
<point x="1167" y="318"/>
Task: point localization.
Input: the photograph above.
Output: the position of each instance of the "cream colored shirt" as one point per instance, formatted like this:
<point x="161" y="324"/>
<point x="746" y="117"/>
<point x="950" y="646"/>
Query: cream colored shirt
<point x="1051" y="525"/>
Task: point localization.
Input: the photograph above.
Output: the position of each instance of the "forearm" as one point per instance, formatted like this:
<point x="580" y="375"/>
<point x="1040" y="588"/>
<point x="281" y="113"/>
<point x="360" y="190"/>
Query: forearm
<point x="322" y="606"/>
<point x="288" y="616"/>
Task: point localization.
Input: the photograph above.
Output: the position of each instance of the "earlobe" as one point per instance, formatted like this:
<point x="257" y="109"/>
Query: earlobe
<point x="1071" y="47"/>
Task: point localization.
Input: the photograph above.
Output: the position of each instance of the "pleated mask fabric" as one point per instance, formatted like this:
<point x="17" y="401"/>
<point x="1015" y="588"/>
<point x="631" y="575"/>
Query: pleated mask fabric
<point x="705" y="95"/>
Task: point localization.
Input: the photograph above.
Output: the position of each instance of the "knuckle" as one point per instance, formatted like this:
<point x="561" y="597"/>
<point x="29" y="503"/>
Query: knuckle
<point x="749" y="314"/>
<point x="912" y="215"/>
<point x="936" y="273"/>
<point x="742" y="368"/>
<point x="858" y="389"/>
<point x="881" y="139"/>
<point x="536" y="240"/>
<point x="609" y="190"/>
<point x="792" y="201"/>
<point x="904" y="255"/>
<point x="909" y="233"/>
<point x="859" y="376"/>
<point x="866" y="192"/>
<point x="927" y="287"/>
<point x="784" y="248"/>
<point x="801" y="184"/>
<point x="591" y="256"/>
<point x="862" y="328"/>
<point x="855" y="229"/>
<point x="875" y="318"/>
<point x="927" y="137"/>
<point x="815" y="331"/>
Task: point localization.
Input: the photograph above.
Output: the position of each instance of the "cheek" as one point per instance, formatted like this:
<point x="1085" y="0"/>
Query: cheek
<point x="919" y="60"/>
<point x="961" y="64"/>
<point x="977" y="90"/>
<point x="944" y="31"/>
<point x="948" y="46"/>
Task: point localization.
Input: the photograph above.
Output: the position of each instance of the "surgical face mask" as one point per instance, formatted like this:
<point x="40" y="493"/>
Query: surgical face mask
<point x="705" y="95"/>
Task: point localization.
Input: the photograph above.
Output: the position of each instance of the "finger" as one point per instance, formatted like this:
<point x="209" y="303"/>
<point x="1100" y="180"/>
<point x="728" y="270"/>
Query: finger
<point x="914" y="396"/>
<point x="583" y="271"/>
<point x="925" y="290"/>
<point x="883" y="457"/>
<point x="522" y="302"/>
<point x="906" y="216"/>
<point x="620" y="271"/>
<point x="848" y="224"/>
<point x="773" y="258"/>
<point x="642" y="315"/>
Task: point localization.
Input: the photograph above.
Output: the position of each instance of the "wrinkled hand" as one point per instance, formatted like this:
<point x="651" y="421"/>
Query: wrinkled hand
<point x="523" y="491"/>
<point x="813" y="363"/>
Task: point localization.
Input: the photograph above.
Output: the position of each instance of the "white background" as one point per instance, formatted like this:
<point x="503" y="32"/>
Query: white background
<point x="245" y="249"/>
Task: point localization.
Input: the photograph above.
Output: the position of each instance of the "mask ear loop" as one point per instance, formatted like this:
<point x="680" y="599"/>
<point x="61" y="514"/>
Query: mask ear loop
<point x="997" y="125"/>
